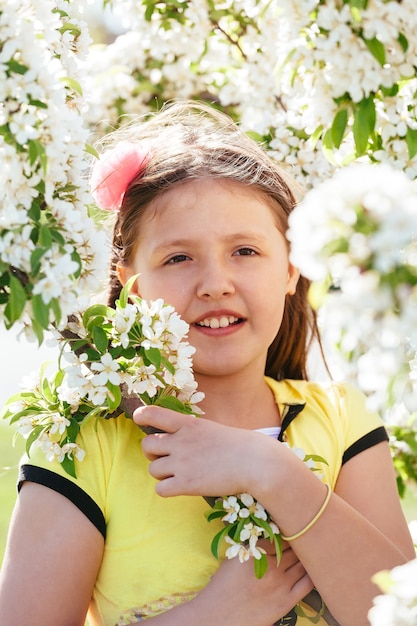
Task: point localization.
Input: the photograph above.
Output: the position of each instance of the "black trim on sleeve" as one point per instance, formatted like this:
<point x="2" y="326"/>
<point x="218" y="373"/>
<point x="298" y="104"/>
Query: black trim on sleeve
<point x="65" y="487"/>
<point x="367" y="441"/>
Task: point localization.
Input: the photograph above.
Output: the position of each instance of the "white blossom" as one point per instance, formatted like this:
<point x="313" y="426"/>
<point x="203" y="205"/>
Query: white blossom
<point x="107" y="368"/>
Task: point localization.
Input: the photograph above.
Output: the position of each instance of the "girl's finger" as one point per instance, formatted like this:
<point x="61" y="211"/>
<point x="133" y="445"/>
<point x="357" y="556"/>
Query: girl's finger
<point x="164" y="420"/>
<point x="155" y="446"/>
<point x="160" y="469"/>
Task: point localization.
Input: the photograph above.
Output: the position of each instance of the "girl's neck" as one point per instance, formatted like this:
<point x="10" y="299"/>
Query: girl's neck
<point x="242" y="402"/>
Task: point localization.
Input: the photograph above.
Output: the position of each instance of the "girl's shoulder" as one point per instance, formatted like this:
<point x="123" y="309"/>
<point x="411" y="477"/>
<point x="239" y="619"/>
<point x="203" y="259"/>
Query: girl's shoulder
<point x="338" y="406"/>
<point x="110" y="447"/>
<point x="342" y="395"/>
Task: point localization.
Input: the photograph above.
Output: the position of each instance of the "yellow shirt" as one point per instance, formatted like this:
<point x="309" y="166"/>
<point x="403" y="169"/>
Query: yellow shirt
<point x="157" y="550"/>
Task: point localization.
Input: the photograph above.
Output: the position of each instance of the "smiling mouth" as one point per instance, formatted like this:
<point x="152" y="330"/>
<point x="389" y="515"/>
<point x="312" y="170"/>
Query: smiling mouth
<point x="219" y="322"/>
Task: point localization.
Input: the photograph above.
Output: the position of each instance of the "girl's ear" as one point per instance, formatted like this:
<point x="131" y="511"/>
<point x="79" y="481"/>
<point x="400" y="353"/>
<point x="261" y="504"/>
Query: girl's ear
<point x="124" y="272"/>
<point x="293" y="276"/>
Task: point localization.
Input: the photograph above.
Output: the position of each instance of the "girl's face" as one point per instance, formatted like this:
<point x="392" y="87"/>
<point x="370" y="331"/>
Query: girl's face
<point x="212" y="250"/>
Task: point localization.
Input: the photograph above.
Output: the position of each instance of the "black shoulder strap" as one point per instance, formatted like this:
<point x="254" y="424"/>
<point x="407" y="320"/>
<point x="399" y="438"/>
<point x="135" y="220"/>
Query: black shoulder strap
<point x="292" y="411"/>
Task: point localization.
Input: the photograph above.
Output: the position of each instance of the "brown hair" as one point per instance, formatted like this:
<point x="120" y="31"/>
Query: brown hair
<point x="191" y="141"/>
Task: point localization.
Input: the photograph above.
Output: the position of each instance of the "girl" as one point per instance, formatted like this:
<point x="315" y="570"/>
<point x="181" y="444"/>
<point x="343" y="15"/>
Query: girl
<point x="201" y="218"/>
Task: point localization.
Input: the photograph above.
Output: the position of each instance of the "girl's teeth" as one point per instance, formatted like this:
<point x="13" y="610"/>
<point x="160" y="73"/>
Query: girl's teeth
<point x="223" y="322"/>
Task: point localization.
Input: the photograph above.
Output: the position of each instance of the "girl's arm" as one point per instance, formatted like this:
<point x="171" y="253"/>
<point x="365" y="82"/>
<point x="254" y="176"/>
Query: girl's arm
<point x="361" y="532"/>
<point x="51" y="562"/>
<point x="53" y="557"/>
<point x="235" y="597"/>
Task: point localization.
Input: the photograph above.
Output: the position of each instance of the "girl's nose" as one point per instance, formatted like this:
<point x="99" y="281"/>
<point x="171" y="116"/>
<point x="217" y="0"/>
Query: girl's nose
<point x="216" y="281"/>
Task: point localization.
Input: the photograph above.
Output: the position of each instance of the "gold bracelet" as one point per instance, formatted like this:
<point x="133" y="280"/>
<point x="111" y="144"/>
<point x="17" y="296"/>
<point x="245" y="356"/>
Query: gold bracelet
<point x="314" y="520"/>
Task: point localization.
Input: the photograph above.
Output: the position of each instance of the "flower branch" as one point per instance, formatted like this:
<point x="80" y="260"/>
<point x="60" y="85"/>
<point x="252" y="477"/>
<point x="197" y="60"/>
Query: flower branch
<point x="246" y="522"/>
<point x="111" y="360"/>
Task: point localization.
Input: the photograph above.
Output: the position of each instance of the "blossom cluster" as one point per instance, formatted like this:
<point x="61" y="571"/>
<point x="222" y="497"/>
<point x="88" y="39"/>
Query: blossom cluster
<point x="399" y="604"/>
<point x="246" y="522"/>
<point x="356" y="236"/>
<point x="50" y="251"/>
<point x="334" y="81"/>
<point x="136" y="350"/>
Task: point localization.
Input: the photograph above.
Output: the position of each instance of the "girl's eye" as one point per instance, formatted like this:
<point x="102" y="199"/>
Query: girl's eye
<point x="245" y="252"/>
<point x="178" y="258"/>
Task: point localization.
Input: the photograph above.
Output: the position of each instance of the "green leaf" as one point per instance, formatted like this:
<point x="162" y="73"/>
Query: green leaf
<point x="37" y="152"/>
<point x="338" y="127"/>
<point x="153" y="355"/>
<point x="98" y="320"/>
<point x="215" y="515"/>
<point x="56" y="308"/>
<point x="35" y="211"/>
<point x="35" y="259"/>
<point x="377" y="49"/>
<point x="328" y="139"/>
<point x="128" y="353"/>
<point x="91" y="150"/>
<point x="93" y="311"/>
<point x="315" y="136"/>
<point x="261" y="565"/>
<point x="59" y="377"/>
<point x="150" y="8"/>
<point x="100" y="339"/>
<point x="218" y="538"/>
<point x="47" y="392"/>
<point x="265" y="525"/>
<point x="69" y="466"/>
<point x="327" y="146"/>
<point x="124" y="294"/>
<point x="38" y="330"/>
<point x="113" y="401"/>
<point x="390" y="92"/>
<point x="45" y="238"/>
<point x="411" y="139"/>
<point x="403" y="41"/>
<point x="167" y="364"/>
<point x="16" y="68"/>
<point x="33" y="411"/>
<point x="38" y="103"/>
<point x="316" y="458"/>
<point x="278" y="547"/>
<point x="32" y="437"/>
<point x="72" y="430"/>
<point x="92" y="355"/>
<point x="72" y="28"/>
<point x="363" y="124"/>
<point x="40" y="311"/>
<point x="171" y="402"/>
<point x="17" y="301"/>
<point x="357" y="4"/>
<point x="56" y="236"/>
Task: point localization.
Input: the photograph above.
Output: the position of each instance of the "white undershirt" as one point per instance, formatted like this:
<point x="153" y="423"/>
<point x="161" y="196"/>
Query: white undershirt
<point x="272" y="431"/>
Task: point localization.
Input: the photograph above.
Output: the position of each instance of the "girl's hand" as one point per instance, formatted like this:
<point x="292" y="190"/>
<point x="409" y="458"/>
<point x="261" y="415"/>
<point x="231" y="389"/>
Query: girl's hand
<point x="195" y="456"/>
<point x="235" y="591"/>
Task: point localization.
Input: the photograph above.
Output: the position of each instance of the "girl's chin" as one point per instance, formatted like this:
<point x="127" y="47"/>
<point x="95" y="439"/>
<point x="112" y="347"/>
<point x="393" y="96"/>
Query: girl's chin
<point x="215" y="370"/>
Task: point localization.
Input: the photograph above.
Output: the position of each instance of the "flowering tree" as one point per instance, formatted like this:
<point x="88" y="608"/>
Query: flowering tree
<point x="321" y="83"/>
<point x="50" y="250"/>
<point x="335" y="82"/>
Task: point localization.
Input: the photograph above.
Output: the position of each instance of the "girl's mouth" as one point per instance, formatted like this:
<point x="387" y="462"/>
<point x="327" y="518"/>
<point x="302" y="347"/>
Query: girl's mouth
<point x="219" y="322"/>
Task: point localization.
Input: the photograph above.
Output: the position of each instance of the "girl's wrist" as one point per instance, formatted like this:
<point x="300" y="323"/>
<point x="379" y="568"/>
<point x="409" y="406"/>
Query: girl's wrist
<point x="267" y="471"/>
<point x="283" y="483"/>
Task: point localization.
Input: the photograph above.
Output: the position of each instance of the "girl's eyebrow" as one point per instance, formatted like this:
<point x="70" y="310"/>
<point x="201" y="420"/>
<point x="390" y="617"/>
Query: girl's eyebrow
<point x="244" y="237"/>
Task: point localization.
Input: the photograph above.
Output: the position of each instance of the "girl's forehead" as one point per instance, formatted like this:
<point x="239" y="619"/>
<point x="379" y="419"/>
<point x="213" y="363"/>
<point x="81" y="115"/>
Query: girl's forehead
<point x="207" y="191"/>
<point x="207" y="207"/>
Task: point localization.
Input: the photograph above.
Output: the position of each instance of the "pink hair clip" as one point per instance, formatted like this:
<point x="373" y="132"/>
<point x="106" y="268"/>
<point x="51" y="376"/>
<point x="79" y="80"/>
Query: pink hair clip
<point x="113" y="172"/>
